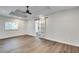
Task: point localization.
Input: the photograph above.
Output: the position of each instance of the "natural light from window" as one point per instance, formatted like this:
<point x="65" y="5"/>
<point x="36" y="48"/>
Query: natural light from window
<point x="11" y="26"/>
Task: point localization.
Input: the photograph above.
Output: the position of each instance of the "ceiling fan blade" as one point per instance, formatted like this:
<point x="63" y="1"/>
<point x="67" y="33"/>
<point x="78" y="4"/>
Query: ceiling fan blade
<point x="30" y="13"/>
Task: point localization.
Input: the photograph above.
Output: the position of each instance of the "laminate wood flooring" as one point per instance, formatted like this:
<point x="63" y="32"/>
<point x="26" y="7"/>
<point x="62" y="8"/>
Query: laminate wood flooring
<point x="29" y="44"/>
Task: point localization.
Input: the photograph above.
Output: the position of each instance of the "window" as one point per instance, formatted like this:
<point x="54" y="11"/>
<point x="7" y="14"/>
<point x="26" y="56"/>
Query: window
<point x="11" y="26"/>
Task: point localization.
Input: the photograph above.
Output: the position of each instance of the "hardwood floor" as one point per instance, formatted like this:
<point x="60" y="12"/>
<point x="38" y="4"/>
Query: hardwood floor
<point x="28" y="44"/>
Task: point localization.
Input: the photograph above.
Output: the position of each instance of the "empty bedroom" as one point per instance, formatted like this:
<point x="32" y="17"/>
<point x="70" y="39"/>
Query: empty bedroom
<point x="39" y="29"/>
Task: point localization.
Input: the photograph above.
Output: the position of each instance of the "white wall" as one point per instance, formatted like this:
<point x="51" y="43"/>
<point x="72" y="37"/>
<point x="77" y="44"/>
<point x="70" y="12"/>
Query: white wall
<point x="31" y="27"/>
<point x="21" y="31"/>
<point x="63" y="26"/>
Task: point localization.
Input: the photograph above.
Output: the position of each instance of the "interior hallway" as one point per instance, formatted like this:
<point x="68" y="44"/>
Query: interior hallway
<point x="23" y="44"/>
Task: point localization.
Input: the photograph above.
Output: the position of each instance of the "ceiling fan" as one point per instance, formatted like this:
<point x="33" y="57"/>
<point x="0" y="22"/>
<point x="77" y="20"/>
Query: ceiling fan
<point x="27" y="11"/>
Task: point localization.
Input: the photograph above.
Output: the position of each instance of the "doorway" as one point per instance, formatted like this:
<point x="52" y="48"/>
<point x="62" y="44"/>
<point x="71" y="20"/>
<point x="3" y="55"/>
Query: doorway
<point x="40" y="27"/>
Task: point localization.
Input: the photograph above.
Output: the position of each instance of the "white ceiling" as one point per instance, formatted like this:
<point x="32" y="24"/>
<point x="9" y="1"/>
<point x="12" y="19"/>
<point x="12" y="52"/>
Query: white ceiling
<point x="36" y="10"/>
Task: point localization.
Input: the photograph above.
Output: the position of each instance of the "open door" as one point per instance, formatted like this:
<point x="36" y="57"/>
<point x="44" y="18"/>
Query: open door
<point x="40" y="27"/>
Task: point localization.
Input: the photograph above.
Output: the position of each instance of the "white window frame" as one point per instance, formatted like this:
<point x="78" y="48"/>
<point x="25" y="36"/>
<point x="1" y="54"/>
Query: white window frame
<point x="11" y="26"/>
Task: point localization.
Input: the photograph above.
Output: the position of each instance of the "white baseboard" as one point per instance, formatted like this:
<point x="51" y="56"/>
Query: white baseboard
<point x="3" y="37"/>
<point x="8" y="36"/>
<point x="73" y="44"/>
